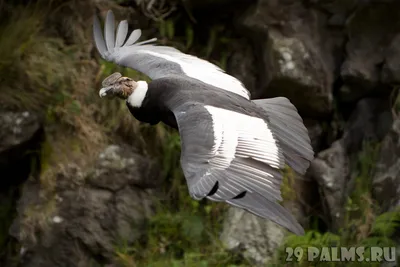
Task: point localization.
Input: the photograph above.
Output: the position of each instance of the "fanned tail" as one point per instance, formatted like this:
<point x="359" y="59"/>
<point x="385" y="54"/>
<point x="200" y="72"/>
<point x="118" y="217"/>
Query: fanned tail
<point x="290" y="131"/>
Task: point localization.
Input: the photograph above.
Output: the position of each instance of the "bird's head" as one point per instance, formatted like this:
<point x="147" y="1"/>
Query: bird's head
<point x="117" y="86"/>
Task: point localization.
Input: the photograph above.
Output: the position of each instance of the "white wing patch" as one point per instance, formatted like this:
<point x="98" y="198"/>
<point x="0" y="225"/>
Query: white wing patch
<point x="204" y="71"/>
<point x="238" y="135"/>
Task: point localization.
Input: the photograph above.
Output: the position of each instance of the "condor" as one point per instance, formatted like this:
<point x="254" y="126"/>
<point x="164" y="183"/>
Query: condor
<point x="233" y="148"/>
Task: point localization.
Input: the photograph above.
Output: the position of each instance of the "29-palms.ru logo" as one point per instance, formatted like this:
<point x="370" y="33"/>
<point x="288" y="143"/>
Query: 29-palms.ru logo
<point x="341" y="254"/>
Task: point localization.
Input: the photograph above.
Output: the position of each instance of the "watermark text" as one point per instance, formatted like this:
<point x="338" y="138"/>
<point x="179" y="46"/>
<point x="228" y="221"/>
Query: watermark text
<point x="341" y="254"/>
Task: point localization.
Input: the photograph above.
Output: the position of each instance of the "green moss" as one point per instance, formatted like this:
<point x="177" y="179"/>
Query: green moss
<point x="360" y="209"/>
<point x="287" y="189"/>
<point x="16" y="34"/>
<point x="167" y="28"/>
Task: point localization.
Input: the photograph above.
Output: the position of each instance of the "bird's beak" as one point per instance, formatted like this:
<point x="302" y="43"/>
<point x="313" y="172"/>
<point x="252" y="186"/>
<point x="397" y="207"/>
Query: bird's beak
<point x="105" y="91"/>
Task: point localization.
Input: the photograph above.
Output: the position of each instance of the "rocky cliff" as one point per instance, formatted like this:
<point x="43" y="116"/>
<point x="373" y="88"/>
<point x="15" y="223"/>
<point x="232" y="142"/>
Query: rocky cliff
<point x="83" y="184"/>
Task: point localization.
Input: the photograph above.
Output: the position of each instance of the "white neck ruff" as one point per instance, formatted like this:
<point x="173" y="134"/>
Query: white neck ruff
<point x="138" y="95"/>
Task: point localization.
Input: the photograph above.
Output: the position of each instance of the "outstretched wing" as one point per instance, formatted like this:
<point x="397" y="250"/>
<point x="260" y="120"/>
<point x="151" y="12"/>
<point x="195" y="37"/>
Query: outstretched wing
<point x="231" y="157"/>
<point x="158" y="61"/>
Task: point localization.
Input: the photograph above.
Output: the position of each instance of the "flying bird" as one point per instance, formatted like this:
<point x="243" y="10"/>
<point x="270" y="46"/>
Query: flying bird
<point x="233" y="149"/>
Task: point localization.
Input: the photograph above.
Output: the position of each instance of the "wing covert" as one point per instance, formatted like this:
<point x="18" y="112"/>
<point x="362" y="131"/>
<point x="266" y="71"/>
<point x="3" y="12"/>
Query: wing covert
<point x="234" y="158"/>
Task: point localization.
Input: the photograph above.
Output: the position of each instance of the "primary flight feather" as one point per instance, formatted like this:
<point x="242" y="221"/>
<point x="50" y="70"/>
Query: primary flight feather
<point x="233" y="148"/>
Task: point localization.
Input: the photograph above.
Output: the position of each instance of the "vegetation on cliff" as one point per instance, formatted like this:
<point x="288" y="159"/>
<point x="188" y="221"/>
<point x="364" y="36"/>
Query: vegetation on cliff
<point x="46" y="67"/>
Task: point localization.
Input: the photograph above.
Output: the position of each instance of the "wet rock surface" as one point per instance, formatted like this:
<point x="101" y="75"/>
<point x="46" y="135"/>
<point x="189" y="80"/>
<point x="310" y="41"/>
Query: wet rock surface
<point x="386" y="182"/>
<point x="94" y="210"/>
<point x="370" y="121"/>
<point x="257" y="239"/>
<point x="295" y="58"/>
<point x="371" y="31"/>
<point x="331" y="170"/>
<point x="20" y="132"/>
<point x="17" y="128"/>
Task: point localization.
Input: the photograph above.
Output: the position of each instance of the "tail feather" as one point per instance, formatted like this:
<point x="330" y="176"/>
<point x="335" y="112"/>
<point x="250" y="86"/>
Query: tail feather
<point x="289" y="129"/>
